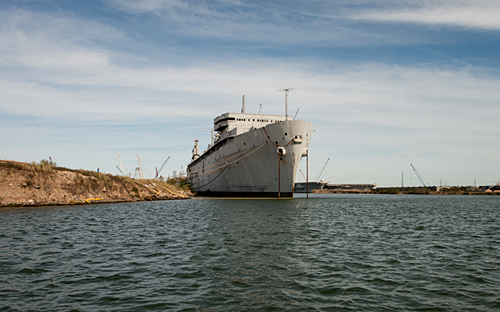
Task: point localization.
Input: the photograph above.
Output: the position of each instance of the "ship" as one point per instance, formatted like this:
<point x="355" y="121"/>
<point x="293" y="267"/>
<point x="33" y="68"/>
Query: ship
<point x="309" y="187"/>
<point x="250" y="155"/>
<point x="304" y="187"/>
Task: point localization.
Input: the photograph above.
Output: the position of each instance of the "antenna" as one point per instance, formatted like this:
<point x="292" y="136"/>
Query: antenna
<point x="260" y="108"/>
<point x="286" y="90"/>
<point x="211" y="131"/>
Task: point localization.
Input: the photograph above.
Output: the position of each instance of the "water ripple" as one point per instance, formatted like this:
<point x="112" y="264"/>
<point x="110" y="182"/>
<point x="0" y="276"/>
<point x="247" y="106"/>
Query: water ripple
<point x="328" y="253"/>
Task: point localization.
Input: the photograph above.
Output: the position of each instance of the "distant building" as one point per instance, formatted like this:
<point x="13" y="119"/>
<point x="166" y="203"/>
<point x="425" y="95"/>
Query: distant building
<point x="351" y="186"/>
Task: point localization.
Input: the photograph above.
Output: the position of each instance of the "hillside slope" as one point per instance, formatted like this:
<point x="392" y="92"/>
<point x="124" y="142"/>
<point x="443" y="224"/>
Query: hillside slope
<point x="39" y="184"/>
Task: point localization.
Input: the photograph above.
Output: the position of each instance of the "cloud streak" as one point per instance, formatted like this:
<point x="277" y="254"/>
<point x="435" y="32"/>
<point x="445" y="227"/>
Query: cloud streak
<point x="469" y="14"/>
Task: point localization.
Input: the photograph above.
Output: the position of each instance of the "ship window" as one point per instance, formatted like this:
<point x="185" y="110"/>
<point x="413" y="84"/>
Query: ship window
<point x="285" y="134"/>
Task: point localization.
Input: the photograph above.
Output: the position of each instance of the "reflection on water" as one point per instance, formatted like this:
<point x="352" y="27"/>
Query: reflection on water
<point x="326" y="253"/>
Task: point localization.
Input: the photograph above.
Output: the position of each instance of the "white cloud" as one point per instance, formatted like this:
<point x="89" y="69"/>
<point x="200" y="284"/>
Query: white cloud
<point x="371" y="118"/>
<point x="41" y="41"/>
<point x="473" y="14"/>
<point x="148" y="5"/>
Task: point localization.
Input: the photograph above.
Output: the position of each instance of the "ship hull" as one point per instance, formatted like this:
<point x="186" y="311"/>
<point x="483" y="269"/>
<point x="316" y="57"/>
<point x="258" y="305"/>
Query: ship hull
<point x="262" y="162"/>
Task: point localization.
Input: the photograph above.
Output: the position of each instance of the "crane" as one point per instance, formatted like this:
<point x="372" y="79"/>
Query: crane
<point x="319" y="176"/>
<point x="120" y="168"/>
<point x="303" y="175"/>
<point x="139" y="172"/>
<point x="121" y="171"/>
<point x="161" y="168"/>
<point x="419" y="177"/>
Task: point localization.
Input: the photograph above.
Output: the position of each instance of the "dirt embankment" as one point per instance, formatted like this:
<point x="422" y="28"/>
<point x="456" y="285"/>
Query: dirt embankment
<point x="40" y="184"/>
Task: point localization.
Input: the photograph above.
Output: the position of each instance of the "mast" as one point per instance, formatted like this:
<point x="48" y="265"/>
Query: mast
<point x="286" y="90"/>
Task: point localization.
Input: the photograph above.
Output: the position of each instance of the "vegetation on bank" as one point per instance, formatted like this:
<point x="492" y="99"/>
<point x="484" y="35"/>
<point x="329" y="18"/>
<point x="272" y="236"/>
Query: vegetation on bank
<point x="398" y="190"/>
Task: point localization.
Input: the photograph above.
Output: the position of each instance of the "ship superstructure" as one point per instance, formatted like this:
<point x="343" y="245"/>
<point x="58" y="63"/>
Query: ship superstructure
<point x="251" y="155"/>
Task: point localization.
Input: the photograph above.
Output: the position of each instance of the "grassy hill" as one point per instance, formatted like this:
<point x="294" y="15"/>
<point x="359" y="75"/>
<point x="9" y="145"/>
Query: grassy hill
<point x="44" y="183"/>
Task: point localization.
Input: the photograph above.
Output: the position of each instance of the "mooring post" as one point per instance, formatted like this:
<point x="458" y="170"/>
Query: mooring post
<point x="279" y="176"/>
<point x="307" y="174"/>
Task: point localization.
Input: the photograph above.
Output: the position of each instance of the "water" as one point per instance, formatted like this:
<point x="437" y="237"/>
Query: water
<point x="328" y="253"/>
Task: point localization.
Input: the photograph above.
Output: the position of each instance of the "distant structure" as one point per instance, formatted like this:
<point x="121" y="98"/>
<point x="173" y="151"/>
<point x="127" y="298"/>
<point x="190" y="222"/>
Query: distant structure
<point x="161" y="168"/>
<point x="319" y="176"/>
<point x="304" y="187"/>
<point x="120" y="168"/>
<point x="139" y="173"/>
<point x="351" y="186"/>
<point x="196" y="150"/>
<point x="419" y="177"/>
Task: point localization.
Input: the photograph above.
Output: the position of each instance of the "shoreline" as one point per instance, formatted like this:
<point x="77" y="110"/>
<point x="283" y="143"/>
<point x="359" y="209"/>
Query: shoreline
<point x="80" y="203"/>
<point x="384" y="192"/>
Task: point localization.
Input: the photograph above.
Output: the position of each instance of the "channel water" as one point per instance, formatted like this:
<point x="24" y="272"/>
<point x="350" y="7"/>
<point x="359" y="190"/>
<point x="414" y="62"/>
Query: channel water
<point x="325" y="253"/>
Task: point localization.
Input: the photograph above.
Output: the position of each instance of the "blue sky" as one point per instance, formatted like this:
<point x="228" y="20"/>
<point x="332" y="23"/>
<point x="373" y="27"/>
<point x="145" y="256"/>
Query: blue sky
<point x="386" y="83"/>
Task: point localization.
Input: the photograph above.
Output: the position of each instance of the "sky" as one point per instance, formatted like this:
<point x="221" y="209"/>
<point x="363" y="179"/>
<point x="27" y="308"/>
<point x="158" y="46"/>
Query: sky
<point x="386" y="83"/>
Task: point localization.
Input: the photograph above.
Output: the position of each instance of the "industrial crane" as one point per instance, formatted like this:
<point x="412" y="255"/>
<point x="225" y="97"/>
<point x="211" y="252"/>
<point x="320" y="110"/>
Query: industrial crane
<point x="319" y="176"/>
<point x="419" y="177"/>
<point x="121" y="171"/>
<point x="121" y="166"/>
<point x="161" y="168"/>
<point x="303" y="175"/>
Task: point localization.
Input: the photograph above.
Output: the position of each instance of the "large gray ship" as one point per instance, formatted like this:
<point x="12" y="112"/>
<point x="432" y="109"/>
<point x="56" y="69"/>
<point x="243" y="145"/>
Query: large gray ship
<point x="254" y="155"/>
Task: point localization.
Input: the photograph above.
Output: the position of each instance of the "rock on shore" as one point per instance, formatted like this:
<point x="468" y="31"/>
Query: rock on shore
<point x="40" y="184"/>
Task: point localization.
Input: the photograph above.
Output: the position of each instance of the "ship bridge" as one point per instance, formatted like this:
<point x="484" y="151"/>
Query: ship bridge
<point x="231" y="124"/>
